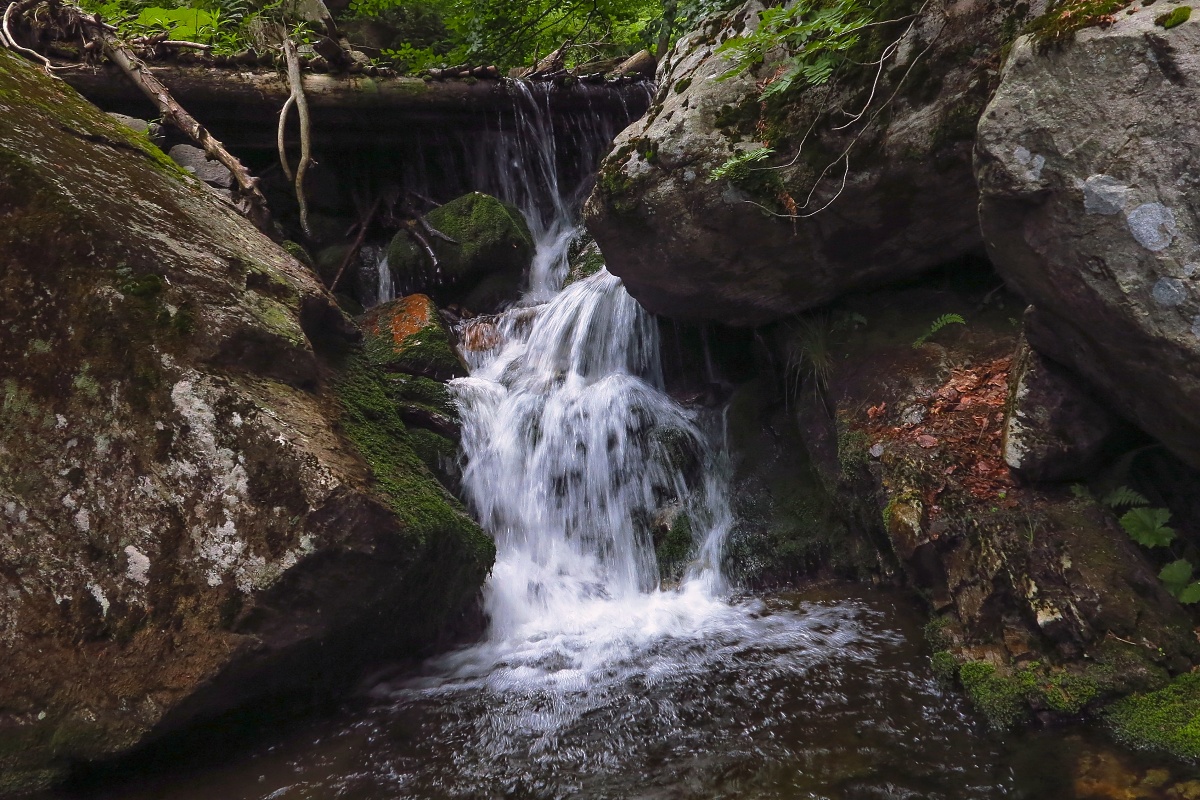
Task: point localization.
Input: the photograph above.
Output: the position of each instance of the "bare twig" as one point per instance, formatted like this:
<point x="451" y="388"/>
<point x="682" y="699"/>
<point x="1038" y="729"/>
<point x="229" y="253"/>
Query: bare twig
<point x="357" y="245"/>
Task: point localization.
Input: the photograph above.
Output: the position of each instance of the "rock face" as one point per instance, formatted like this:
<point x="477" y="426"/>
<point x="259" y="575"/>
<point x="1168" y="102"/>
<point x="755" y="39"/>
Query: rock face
<point x="491" y="242"/>
<point x="1026" y="581"/>
<point x="691" y="246"/>
<point x="1054" y="430"/>
<point x="190" y="518"/>
<point x="1087" y="167"/>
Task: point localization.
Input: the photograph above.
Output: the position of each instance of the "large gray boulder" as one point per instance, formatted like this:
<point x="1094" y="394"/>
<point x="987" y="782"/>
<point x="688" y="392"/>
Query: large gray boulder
<point x="197" y="511"/>
<point x="1088" y="161"/>
<point x="689" y="246"/>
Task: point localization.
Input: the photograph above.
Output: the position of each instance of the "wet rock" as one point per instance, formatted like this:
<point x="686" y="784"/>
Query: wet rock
<point x="584" y="263"/>
<point x="689" y="245"/>
<point x="191" y="517"/>
<point x="1054" y="430"/>
<point x="194" y="160"/>
<point x="408" y="335"/>
<point x="1096" y="224"/>
<point x="490" y="238"/>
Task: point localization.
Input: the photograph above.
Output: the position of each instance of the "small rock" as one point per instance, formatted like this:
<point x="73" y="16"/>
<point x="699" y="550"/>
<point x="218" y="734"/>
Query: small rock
<point x="196" y="162"/>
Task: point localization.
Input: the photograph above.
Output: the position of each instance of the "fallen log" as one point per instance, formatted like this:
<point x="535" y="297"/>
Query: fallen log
<point x="242" y="106"/>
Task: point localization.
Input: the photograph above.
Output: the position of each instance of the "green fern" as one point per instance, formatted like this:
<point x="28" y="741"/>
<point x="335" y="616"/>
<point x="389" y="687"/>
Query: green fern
<point x="737" y="165"/>
<point x="938" y="324"/>
<point x="1148" y="526"/>
<point x="1124" y="497"/>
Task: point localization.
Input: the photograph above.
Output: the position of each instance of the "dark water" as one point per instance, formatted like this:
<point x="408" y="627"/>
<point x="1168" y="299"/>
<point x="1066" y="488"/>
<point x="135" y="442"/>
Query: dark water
<point x="826" y="694"/>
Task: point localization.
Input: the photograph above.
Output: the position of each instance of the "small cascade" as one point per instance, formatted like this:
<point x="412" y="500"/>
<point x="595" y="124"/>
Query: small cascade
<point x="571" y="446"/>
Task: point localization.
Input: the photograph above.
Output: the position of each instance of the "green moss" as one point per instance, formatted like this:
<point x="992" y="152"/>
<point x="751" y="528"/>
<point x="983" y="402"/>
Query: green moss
<point x="944" y="665"/>
<point x="298" y="252"/>
<point x="1167" y="720"/>
<point x="489" y="237"/>
<point x="853" y="448"/>
<point x="1176" y="16"/>
<point x="682" y="85"/>
<point x="371" y="422"/>
<point x="1067" y="693"/>
<point x="587" y="263"/>
<point x="1064" y="18"/>
<point x="428" y="352"/>
<point x="675" y="549"/>
<point x="425" y="392"/>
<point x="937" y="632"/>
<point x="438" y="454"/>
<point x="1000" y="698"/>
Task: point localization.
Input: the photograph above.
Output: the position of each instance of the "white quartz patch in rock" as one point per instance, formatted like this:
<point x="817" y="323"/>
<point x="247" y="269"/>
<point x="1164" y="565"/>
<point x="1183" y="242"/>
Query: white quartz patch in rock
<point x="1033" y="163"/>
<point x="1153" y="225"/>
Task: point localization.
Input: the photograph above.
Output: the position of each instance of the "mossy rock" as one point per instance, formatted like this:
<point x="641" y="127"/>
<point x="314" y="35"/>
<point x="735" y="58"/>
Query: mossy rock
<point x="408" y="335"/>
<point x="439" y="455"/>
<point x="585" y="264"/>
<point x="489" y="237"/>
<point x="674" y="544"/>
<point x="1166" y="720"/>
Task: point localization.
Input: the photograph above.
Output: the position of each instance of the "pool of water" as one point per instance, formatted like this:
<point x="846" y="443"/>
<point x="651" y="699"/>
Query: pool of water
<point x="821" y="694"/>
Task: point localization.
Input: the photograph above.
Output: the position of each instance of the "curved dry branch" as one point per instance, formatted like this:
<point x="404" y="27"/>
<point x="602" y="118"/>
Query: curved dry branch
<point x="296" y="81"/>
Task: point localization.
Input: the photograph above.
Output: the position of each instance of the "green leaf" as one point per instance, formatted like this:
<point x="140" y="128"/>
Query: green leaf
<point x="1148" y="526"/>
<point x="1175" y="576"/>
<point x="1190" y="595"/>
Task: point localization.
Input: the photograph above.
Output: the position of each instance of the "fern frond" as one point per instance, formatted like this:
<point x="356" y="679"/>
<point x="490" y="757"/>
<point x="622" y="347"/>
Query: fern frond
<point x="1124" y="497"/>
<point x="739" y="162"/>
<point x="938" y="324"/>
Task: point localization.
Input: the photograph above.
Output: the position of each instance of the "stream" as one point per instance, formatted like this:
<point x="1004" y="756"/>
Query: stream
<point x="592" y="680"/>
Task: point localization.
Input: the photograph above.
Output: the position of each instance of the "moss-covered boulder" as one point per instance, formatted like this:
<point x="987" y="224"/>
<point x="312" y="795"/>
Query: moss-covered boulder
<point x="190" y="519"/>
<point x="409" y="335"/>
<point x="491" y="240"/>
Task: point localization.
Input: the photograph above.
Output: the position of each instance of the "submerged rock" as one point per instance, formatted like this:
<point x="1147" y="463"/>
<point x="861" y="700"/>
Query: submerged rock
<point x="491" y="240"/>
<point x="190" y="519"/>
<point x="1086" y="167"/>
<point x="751" y="246"/>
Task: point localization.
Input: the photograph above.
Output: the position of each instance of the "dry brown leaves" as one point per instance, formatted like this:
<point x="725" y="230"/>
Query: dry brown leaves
<point x="964" y="420"/>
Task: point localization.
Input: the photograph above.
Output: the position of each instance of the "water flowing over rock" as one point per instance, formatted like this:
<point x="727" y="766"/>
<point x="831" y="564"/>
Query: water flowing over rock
<point x="690" y="246"/>
<point x="190" y="519"/>
<point x="1087" y="167"/>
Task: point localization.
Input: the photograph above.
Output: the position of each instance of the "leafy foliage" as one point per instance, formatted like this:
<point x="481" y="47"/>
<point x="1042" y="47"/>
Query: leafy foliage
<point x="738" y="165"/>
<point x="1148" y="526"/>
<point x="817" y="36"/>
<point x="1177" y="578"/>
<point x="938" y="324"/>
